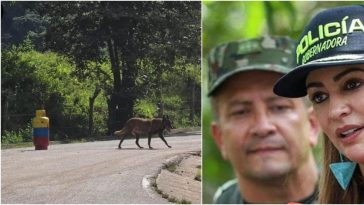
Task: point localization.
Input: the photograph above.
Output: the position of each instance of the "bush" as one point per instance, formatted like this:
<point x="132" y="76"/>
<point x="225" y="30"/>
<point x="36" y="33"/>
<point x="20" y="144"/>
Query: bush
<point x="23" y="135"/>
<point x="9" y="137"/>
<point x="145" y="108"/>
<point x="31" y="80"/>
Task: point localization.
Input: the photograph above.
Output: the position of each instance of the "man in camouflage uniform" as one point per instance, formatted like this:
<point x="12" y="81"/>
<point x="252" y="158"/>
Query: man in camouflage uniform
<point x="266" y="138"/>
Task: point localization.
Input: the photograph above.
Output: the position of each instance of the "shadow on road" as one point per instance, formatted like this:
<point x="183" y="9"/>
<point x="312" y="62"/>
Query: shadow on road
<point x="129" y="148"/>
<point x="30" y="150"/>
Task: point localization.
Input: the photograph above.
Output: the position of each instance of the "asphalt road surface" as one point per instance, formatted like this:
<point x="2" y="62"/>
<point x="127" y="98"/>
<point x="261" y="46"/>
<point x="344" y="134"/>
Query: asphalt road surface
<point x="92" y="172"/>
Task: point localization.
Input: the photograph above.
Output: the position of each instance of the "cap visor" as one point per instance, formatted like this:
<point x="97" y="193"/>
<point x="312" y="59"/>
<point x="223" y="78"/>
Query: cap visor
<point x="293" y="84"/>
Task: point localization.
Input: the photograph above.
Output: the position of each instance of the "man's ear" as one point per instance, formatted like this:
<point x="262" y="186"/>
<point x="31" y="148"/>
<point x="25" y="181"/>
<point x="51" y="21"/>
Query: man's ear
<point x="219" y="141"/>
<point x="315" y="127"/>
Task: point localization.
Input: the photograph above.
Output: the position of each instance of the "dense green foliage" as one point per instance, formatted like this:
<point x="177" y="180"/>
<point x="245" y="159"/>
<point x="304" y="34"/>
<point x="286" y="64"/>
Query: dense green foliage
<point x="32" y="80"/>
<point x="126" y="33"/>
<point x="22" y="135"/>
<point x="93" y="65"/>
<point x="227" y="21"/>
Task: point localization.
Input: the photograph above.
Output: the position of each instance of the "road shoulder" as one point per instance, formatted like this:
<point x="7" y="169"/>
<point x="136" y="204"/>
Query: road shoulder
<point x="179" y="180"/>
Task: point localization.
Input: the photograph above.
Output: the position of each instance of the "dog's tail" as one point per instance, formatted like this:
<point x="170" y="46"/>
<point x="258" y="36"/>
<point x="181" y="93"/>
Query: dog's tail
<point x="119" y="132"/>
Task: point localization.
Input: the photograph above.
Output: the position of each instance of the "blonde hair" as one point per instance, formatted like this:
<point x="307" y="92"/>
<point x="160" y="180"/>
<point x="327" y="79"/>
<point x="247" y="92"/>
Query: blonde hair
<point x="330" y="190"/>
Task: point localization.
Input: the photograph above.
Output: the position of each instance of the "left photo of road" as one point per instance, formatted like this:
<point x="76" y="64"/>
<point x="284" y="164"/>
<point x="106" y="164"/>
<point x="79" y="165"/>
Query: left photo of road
<point x="100" y="102"/>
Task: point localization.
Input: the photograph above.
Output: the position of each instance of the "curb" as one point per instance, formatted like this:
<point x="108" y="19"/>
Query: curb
<point x="150" y="182"/>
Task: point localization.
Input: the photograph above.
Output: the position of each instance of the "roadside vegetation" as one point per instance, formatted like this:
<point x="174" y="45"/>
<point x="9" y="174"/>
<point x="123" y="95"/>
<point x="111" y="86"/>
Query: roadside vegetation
<point x="92" y="71"/>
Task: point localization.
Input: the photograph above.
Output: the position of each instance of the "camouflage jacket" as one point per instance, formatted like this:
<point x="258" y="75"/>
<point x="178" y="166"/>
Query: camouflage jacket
<point x="229" y="193"/>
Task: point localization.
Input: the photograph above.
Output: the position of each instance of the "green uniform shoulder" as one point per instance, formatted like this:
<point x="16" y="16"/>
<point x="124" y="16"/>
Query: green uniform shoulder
<point x="228" y="193"/>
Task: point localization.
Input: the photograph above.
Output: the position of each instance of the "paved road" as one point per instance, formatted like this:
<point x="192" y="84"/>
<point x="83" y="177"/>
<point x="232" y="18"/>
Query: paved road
<point x="93" y="172"/>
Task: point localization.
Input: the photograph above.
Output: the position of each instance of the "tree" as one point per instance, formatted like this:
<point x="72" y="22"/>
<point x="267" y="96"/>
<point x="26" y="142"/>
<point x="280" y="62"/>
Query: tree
<point x="19" y="23"/>
<point x="122" y="32"/>
<point x="32" y="80"/>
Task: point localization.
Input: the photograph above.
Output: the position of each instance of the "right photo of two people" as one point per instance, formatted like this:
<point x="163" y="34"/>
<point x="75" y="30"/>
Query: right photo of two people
<point x="283" y="102"/>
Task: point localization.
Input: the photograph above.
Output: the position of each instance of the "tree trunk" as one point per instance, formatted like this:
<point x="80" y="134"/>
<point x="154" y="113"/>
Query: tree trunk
<point x="192" y="103"/>
<point x="126" y="97"/>
<point x="91" y="111"/>
<point x="112" y="101"/>
<point x="121" y="101"/>
<point x="4" y="112"/>
<point x="160" y="109"/>
<point x="114" y="65"/>
<point x="111" y="111"/>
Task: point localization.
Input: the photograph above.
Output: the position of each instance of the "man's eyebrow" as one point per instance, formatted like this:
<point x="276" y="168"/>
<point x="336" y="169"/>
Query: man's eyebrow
<point x="239" y="102"/>
<point x="343" y="73"/>
<point x="314" y="84"/>
<point x="274" y="98"/>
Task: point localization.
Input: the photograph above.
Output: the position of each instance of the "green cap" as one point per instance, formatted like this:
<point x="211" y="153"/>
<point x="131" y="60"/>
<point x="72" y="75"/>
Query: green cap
<point x="266" y="53"/>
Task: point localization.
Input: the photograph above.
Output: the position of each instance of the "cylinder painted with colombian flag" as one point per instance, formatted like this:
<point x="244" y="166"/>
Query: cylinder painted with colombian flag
<point x="40" y="130"/>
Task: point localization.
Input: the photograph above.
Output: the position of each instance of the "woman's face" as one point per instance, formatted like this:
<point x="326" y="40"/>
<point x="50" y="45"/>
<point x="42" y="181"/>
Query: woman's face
<point x="337" y="94"/>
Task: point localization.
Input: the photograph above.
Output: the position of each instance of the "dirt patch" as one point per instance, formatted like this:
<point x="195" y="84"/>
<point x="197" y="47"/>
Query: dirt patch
<point x="180" y="179"/>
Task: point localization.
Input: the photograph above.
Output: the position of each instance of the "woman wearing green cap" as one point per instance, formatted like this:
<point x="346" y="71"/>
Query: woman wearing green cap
<point x="330" y="58"/>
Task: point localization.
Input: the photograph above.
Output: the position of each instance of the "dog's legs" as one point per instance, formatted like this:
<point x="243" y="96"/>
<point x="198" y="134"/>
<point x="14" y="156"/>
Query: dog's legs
<point x="121" y="141"/>
<point x="161" y="136"/>
<point x="137" y="141"/>
<point x="149" y="139"/>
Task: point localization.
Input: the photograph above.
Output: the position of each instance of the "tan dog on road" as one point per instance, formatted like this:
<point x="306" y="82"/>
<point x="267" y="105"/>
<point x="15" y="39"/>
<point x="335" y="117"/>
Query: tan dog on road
<point x="140" y="126"/>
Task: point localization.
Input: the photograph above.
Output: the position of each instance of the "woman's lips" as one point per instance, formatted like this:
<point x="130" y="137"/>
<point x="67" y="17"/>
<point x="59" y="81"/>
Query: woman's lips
<point x="348" y="133"/>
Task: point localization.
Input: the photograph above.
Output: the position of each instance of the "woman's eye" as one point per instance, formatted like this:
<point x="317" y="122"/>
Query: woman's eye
<point x="319" y="97"/>
<point x="352" y="84"/>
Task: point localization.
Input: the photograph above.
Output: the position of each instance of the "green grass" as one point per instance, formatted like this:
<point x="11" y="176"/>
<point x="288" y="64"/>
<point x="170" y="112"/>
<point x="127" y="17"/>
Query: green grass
<point x="169" y="198"/>
<point x="154" y="184"/>
<point x="176" y="201"/>
<point x="184" y="201"/>
<point x="30" y="144"/>
<point x="171" y="167"/>
<point x="198" y="175"/>
<point x="159" y="192"/>
<point x="16" y="145"/>
<point x="164" y="195"/>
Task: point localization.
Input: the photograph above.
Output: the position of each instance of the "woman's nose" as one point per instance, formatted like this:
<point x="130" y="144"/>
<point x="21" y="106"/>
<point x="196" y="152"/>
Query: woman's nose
<point x="338" y="109"/>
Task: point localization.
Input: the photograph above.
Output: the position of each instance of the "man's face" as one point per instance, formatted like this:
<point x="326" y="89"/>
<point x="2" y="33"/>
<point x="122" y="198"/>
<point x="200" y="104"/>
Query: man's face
<point x="264" y="136"/>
